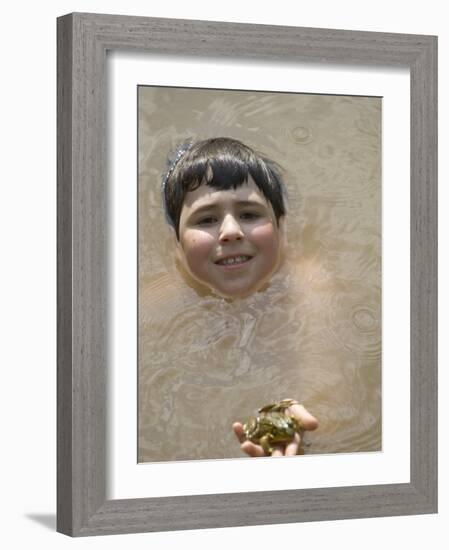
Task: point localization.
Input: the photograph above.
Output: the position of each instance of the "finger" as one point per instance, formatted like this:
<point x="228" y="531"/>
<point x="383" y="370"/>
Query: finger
<point x="251" y="449"/>
<point x="292" y="448"/>
<point x="238" y="430"/>
<point x="308" y="421"/>
<point x="277" y="451"/>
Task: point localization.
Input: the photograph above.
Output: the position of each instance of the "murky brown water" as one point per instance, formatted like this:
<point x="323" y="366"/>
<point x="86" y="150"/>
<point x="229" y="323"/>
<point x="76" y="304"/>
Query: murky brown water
<point x="315" y="333"/>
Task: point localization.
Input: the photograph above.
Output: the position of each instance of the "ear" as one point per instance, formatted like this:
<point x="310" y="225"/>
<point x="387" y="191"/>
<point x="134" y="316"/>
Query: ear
<point x="174" y="243"/>
<point x="282" y="224"/>
<point x="179" y="252"/>
<point x="172" y="232"/>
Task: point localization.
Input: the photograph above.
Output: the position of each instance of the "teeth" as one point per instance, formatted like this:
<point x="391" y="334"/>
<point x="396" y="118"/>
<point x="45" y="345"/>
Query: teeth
<point x="234" y="260"/>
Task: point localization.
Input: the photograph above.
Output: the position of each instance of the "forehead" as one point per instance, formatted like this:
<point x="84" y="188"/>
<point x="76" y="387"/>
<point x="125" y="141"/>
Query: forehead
<point x="209" y="196"/>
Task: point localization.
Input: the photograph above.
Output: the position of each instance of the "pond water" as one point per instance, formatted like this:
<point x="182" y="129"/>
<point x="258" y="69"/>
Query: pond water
<point x="314" y="334"/>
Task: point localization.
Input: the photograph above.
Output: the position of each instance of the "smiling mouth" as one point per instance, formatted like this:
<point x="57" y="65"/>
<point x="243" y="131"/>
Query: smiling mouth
<point x="234" y="260"/>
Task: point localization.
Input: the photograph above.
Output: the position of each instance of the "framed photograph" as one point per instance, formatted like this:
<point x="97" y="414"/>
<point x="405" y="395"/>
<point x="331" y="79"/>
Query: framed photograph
<point x="184" y="313"/>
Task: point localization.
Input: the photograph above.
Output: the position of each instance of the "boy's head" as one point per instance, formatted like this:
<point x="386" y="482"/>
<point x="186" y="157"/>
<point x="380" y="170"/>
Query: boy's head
<point x="226" y="205"/>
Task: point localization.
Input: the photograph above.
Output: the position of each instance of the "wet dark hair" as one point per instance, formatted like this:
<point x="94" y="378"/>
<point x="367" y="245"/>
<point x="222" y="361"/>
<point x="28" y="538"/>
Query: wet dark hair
<point x="222" y="163"/>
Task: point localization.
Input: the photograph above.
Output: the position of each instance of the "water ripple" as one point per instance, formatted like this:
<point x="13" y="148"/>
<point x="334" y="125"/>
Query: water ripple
<point x="315" y="333"/>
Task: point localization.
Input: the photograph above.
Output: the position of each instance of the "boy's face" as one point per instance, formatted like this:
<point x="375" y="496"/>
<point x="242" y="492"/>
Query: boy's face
<point x="229" y="240"/>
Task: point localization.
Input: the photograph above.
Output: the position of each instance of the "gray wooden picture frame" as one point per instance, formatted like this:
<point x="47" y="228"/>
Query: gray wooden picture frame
<point x="83" y="41"/>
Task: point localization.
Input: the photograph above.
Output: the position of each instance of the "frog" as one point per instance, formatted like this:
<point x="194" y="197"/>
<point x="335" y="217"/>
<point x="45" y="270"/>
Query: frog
<point x="272" y="425"/>
<point x="279" y="406"/>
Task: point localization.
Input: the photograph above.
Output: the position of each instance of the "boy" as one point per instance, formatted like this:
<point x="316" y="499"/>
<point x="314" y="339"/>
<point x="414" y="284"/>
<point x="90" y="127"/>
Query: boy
<point x="226" y="205"/>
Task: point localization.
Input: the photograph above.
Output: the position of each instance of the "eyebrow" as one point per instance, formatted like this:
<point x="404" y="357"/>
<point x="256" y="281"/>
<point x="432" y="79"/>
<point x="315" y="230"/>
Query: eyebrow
<point x="214" y="205"/>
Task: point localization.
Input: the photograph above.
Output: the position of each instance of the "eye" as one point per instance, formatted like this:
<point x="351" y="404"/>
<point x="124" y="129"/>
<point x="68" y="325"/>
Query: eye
<point x="206" y="220"/>
<point x="250" y="215"/>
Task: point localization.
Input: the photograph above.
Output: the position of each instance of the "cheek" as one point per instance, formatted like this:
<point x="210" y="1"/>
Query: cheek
<point x="197" y="246"/>
<point x="266" y="238"/>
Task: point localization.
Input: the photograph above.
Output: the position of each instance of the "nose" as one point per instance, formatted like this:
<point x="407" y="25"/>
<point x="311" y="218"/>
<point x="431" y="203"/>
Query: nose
<point x="230" y="229"/>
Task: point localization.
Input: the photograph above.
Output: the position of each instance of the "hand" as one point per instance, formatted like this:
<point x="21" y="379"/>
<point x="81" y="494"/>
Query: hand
<point x="308" y="422"/>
